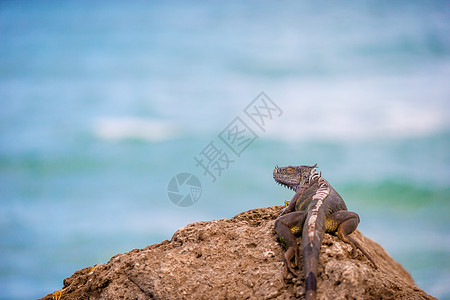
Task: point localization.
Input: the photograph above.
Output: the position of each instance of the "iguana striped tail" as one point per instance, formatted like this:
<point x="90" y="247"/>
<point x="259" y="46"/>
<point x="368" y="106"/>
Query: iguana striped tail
<point x="312" y="236"/>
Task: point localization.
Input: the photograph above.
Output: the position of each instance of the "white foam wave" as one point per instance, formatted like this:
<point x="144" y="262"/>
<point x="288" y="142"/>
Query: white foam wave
<point x="119" y="128"/>
<point x="359" y="110"/>
<point x="398" y="122"/>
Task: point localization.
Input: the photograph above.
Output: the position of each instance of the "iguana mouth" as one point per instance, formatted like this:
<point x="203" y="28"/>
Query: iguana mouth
<point x="285" y="185"/>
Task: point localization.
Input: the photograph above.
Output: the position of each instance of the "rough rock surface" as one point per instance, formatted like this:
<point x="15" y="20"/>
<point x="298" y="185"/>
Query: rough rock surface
<point x="238" y="258"/>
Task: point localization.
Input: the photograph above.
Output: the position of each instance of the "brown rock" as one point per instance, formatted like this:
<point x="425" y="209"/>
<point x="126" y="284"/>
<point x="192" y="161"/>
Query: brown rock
<point x="238" y="258"/>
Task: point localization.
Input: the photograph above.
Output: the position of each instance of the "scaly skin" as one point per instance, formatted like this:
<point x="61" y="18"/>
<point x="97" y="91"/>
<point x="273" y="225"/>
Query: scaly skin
<point x="316" y="208"/>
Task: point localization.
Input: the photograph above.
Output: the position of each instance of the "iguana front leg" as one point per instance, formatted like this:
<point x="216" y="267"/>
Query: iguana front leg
<point x="286" y="227"/>
<point x="291" y="206"/>
<point x="344" y="222"/>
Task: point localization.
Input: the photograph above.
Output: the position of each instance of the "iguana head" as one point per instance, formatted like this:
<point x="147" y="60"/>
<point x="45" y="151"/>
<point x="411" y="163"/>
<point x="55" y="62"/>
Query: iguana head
<point x="293" y="177"/>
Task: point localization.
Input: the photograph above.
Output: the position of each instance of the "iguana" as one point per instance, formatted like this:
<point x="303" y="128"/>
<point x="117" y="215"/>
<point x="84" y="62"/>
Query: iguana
<point x="316" y="208"/>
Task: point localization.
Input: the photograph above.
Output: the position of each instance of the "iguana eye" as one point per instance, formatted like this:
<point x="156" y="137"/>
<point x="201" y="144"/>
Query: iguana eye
<point x="290" y="170"/>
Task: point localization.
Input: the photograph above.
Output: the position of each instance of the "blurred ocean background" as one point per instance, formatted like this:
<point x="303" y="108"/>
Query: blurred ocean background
<point x="102" y="103"/>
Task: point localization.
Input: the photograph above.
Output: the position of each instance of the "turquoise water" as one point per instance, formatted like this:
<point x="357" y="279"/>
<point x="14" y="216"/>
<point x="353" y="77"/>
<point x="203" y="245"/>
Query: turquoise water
<point x="102" y="104"/>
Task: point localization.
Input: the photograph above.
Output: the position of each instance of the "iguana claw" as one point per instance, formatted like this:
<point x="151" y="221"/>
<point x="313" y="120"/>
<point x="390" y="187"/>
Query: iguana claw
<point x="290" y="253"/>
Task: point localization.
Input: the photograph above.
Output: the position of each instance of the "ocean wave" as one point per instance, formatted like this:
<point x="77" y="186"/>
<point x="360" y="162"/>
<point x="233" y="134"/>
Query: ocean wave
<point x="122" y="128"/>
<point x="359" y="110"/>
